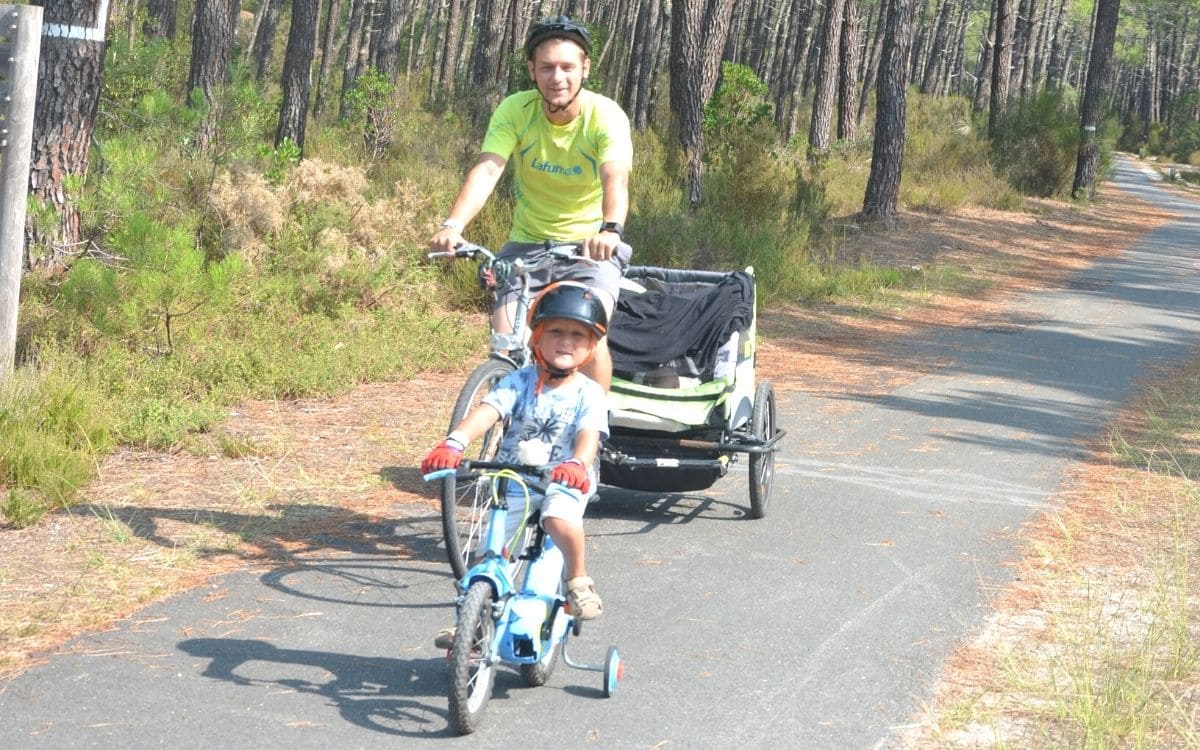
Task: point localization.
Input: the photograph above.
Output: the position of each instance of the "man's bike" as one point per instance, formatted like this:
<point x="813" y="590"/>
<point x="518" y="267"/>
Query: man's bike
<point x="511" y="605"/>
<point x="464" y="503"/>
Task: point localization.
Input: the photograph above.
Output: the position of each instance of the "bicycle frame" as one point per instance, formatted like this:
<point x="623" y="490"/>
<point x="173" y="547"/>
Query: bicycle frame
<point x="495" y="274"/>
<point x="526" y="613"/>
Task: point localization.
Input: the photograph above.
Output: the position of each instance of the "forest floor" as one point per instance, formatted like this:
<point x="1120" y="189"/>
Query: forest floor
<point x="278" y="480"/>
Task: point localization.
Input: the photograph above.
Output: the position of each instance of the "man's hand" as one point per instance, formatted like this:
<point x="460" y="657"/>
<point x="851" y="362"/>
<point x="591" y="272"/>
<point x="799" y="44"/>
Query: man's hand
<point x="445" y="455"/>
<point x="572" y="473"/>
<point x="601" y="246"/>
<point x="445" y="240"/>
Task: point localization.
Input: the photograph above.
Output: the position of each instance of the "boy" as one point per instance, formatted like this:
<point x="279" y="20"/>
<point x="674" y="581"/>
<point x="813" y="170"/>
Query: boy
<point x="560" y="411"/>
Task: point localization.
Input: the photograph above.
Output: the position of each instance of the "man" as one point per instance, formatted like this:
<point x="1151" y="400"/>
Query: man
<point x="573" y="153"/>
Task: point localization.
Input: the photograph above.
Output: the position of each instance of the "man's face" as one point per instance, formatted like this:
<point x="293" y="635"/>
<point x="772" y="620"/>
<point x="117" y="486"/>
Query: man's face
<point x="558" y="68"/>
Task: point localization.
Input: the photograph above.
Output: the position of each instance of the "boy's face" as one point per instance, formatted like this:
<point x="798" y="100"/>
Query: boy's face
<point x="558" y="68"/>
<point x="565" y="344"/>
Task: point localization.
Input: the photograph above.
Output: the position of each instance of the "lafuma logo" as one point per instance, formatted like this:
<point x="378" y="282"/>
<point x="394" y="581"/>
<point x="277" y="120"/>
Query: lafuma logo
<point x="548" y="168"/>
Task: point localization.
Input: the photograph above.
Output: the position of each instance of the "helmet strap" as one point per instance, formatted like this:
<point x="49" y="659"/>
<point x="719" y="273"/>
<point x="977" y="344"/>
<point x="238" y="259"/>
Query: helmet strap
<point x="565" y="107"/>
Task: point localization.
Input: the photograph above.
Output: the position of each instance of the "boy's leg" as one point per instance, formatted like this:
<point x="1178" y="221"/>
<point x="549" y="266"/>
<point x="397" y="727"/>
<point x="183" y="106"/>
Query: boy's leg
<point x="569" y="538"/>
<point x="562" y="518"/>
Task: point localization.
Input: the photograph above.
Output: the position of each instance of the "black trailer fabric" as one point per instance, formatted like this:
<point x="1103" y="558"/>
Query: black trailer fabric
<point x="655" y="327"/>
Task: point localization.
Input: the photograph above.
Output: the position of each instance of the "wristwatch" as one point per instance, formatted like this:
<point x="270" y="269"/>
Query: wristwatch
<point x="614" y="227"/>
<point x="454" y="224"/>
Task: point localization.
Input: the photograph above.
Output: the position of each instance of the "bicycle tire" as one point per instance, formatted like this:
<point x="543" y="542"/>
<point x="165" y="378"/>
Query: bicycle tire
<point x="465" y="503"/>
<point x="762" y="465"/>
<point x="472" y="670"/>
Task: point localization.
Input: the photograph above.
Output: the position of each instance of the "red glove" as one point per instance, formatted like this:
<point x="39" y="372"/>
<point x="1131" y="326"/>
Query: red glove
<point x="571" y="473"/>
<point x="445" y="455"/>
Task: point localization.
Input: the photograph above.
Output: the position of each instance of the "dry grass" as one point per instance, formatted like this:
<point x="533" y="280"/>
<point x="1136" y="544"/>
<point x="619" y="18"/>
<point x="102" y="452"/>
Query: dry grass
<point x="1094" y="643"/>
<point x="280" y="480"/>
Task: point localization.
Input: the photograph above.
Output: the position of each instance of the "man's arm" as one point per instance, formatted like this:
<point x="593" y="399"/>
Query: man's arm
<point x="614" y="179"/>
<point x="475" y="190"/>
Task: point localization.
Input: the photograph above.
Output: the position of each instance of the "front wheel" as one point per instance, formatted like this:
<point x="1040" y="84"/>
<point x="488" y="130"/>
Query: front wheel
<point x="465" y="504"/>
<point x="472" y="668"/>
<point x="762" y="465"/>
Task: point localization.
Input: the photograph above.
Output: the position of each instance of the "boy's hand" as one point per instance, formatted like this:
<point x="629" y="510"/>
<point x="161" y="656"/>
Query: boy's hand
<point x="445" y="455"/>
<point x="571" y="473"/>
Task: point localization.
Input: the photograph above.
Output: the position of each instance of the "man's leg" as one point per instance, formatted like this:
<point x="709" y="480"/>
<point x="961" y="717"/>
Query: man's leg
<point x="600" y="367"/>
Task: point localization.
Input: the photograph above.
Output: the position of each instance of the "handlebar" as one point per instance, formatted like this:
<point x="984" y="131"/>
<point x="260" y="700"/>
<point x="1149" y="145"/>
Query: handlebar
<point x="468" y="467"/>
<point x="566" y="252"/>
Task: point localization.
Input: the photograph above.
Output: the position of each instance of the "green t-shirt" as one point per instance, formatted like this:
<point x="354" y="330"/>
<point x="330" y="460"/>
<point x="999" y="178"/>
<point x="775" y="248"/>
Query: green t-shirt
<point x="556" y="168"/>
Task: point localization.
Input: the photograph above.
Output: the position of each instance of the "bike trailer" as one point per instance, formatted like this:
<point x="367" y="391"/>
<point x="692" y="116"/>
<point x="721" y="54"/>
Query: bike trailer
<point x="684" y="401"/>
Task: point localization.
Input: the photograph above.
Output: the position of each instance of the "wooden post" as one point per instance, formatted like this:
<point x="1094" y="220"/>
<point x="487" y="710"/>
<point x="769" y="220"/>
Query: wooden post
<point x="20" y="47"/>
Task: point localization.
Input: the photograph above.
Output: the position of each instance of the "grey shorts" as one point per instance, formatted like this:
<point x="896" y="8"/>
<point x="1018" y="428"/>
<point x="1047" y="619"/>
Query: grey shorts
<point x="558" y="503"/>
<point x="604" y="276"/>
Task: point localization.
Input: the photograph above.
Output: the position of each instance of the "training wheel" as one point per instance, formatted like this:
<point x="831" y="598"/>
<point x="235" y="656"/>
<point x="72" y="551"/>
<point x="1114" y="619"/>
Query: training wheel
<point x="614" y="670"/>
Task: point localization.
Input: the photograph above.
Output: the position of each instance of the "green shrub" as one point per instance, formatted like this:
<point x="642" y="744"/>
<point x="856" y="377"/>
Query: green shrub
<point x="54" y="429"/>
<point x="1036" y="144"/>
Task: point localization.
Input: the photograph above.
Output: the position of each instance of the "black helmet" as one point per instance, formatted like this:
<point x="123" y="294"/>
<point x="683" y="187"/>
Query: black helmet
<point x="573" y="301"/>
<point x="557" y="27"/>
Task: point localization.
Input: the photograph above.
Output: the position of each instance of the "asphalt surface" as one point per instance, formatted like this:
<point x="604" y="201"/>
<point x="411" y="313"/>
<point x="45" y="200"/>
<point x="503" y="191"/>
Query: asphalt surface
<point x="821" y="626"/>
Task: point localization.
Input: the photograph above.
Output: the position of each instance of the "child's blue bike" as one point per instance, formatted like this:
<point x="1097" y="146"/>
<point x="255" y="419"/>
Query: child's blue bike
<point x="511" y="605"/>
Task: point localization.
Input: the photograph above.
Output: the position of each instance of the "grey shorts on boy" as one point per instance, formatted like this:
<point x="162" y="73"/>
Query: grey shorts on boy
<point x="559" y="502"/>
<point x="604" y="276"/>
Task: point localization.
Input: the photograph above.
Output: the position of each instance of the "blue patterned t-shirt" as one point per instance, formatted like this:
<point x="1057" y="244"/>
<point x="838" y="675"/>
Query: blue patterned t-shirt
<point x="554" y="417"/>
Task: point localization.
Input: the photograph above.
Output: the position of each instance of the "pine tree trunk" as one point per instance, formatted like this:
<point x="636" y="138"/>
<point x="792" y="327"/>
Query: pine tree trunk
<point x="1104" y="34"/>
<point x="70" y="77"/>
<point x="264" y="37"/>
<point x="937" y="49"/>
<point x="851" y="60"/>
<point x="827" y="83"/>
<point x="297" y="64"/>
<point x="987" y="58"/>
<point x="330" y="48"/>
<point x="354" y="42"/>
<point x="487" y="73"/>
<point x="883" y="186"/>
<point x="871" y="68"/>
<point x="698" y="32"/>
<point x="160" y="19"/>
<point x="1001" y="64"/>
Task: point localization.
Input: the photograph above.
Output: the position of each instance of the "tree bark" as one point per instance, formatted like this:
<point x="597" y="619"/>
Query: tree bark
<point x="887" y="155"/>
<point x="987" y="58"/>
<point x="1001" y="64"/>
<point x="265" y="30"/>
<point x="698" y="31"/>
<point x="827" y="75"/>
<point x="487" y="72"/>
<point x="160" y="19"/>
<point x="851" y="60"/>
<point x="441" y="88"/>
<point x="297" y="67"/>
<point x="937" y="49"/>
<point x="212" y="48"/>
<point x="70" y="77"/>
<point x="1103" y="36"/>
<point x="355" y="26"/>
<point x="330" y="48"/>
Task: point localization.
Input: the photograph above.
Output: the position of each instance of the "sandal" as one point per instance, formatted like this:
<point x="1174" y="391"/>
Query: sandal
<point x="445" y="638"/>
<point x="585" y="602"/>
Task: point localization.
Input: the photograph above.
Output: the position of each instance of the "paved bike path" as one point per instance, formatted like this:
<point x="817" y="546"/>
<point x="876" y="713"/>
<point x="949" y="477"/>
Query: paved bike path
<point x="822" y="625"/>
